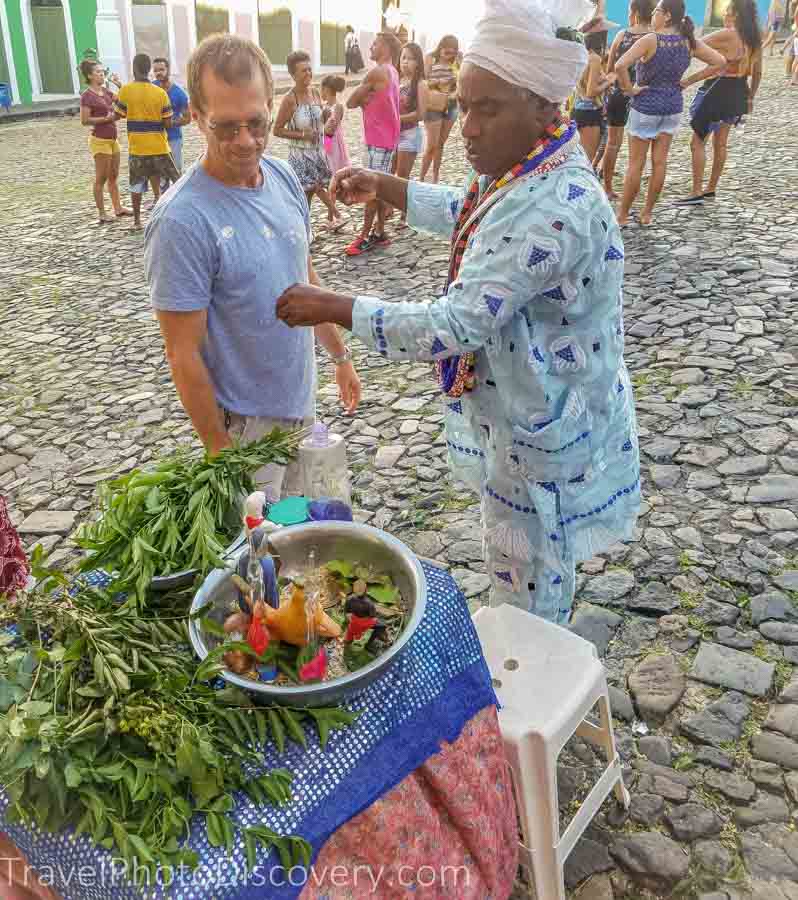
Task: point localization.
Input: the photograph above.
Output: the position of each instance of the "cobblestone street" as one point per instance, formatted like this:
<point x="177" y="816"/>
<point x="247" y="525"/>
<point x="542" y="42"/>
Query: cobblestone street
<point x="697" y="619"/>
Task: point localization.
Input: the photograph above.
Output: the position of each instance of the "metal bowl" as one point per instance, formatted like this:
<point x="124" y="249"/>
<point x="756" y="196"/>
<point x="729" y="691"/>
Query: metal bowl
<point x="330" y="540"/>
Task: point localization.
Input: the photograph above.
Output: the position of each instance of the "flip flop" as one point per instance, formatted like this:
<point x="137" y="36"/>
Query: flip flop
<point x="123" y="212"/>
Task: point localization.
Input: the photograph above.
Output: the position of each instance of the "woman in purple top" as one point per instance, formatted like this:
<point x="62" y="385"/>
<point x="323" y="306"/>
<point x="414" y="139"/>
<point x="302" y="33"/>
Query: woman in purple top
<point x="662" y="58"/>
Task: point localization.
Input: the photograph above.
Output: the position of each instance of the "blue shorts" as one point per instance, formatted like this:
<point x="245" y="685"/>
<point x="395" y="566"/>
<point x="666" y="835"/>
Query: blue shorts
<point x="450" y="113"/>
<point x="411" y="140"/>
<point x="648" y="128"/>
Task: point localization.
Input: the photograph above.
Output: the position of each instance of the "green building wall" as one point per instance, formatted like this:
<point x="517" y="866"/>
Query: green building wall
<point x="84" y="15"/>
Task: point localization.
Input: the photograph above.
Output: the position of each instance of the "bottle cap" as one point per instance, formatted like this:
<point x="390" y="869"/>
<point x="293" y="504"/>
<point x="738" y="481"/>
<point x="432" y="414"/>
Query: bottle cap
<point x="319" y="436"/>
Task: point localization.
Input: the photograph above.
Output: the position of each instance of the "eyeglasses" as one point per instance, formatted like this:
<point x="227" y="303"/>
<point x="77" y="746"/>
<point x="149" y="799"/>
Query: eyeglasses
<point x="258" y="127"/>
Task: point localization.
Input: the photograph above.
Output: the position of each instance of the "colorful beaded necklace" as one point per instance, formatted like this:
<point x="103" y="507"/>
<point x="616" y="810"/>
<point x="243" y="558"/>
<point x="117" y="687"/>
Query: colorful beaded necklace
<point x="456" y="374"/>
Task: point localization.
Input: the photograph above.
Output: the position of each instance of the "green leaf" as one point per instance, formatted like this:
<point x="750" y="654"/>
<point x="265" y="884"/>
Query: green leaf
<point x="232" y="696"/>
<point x="73" y="776"/>
<point x="387" y="595"/>
<point x="10" y="694"/>
<point x="141" y="849"/>
<point x="251" y="850"/>
<point x="341" y="567"/>
<point x="277" y="729"/>
<point x="293" y="727"/>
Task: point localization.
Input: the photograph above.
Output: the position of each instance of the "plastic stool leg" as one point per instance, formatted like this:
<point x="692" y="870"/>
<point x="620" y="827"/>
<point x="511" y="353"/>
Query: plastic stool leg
<point x="608" y="740"/>
<point x="543" y="826"/>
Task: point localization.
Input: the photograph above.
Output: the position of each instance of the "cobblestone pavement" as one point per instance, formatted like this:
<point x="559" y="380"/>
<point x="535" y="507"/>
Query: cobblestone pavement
<point x="697" y="618"/>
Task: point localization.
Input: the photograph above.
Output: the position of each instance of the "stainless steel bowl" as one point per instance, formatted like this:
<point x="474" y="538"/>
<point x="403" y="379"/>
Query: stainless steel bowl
<point x="330" y="540"/>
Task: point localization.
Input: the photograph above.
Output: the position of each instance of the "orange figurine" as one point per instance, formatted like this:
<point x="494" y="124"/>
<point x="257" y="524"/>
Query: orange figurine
<point x="289" y="622"/>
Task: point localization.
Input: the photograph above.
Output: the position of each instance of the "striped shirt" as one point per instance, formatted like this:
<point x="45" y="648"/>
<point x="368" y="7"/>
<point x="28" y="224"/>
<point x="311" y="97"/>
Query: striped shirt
<point x="145" y="106"/>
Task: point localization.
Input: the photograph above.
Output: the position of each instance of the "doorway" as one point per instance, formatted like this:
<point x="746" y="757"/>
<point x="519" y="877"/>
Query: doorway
<point x="50" y="36"/>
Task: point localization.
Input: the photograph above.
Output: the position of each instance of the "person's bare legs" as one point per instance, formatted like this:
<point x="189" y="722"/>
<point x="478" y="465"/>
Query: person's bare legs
<point x="369" y="214"/>
<point x="638" y="150"/>
<point x="333" y="216"/>
<point x="614" y="141"/>
<point x="446" y="130"/>
<point x="102" y="167"/>
<point x="381" y="216"/>
<point x="659" y="169"/>
<point x="113" y="187"/>
<point x="431" y="144"/>
<point x="770" y="41"/>
<point x="698" y="149"/>
<point x="136" y="197"/>
<point x="155" y="184"/>
<point x="590" y="138"/>
<point x="720" y="144"/>
<point x="404" y="166"/>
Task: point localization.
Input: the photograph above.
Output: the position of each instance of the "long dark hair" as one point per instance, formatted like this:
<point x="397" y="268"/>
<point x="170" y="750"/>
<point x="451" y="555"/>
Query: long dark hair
<point x="418" y="55"/>
<point x="597" y="42"/>
<point x="643" y="9"/>
<point x="448" y="40"/>
<point x="679" y="20"/>
<point x="747" y="23"/>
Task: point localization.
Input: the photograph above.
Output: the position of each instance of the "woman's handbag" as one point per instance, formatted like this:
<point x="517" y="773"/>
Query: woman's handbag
<point x="437" y="101"/>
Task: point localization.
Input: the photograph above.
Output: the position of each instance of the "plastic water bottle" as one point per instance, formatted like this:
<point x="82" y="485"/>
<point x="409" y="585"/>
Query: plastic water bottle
<point x="324" y="467"/>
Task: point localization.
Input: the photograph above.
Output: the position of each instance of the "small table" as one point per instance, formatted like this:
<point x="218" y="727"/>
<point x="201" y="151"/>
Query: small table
<point x="415" y="797"/>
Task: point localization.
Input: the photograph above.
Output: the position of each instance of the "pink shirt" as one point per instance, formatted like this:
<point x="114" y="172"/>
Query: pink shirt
<point x="381" y="114"/>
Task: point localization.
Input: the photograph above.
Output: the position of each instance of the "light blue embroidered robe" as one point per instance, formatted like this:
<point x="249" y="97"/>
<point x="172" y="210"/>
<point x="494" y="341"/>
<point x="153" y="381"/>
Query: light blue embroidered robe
<point x="548" y="436"/>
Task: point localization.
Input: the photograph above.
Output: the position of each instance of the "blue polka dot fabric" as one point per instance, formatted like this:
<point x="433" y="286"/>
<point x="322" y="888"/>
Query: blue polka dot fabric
<point x="436" y="686"/>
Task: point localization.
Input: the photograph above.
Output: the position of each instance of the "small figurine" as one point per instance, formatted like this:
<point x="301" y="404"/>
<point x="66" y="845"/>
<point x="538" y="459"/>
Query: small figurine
<point x="362" y="618"/>
<point x="289" y="622"/>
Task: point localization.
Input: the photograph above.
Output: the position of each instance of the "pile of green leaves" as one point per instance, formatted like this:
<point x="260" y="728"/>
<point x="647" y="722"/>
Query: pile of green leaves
<point x="107" y="725"/>
<point x="180" y="516"/>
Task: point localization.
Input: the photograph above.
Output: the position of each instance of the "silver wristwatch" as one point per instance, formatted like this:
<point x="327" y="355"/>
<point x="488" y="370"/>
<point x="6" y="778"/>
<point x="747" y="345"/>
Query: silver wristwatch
<point x="345" y="357"/>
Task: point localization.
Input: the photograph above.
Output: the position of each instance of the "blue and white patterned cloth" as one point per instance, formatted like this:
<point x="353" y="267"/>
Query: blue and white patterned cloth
<point x="548" y="436"/>
<point x="437" y="685"/>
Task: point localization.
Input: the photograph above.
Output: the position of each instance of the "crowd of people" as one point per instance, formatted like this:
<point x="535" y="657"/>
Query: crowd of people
<point x="637" y="86"/>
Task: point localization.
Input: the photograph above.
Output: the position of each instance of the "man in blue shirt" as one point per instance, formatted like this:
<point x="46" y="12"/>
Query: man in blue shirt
<point x="221" y="247"/>
<point x="181" y="113"/>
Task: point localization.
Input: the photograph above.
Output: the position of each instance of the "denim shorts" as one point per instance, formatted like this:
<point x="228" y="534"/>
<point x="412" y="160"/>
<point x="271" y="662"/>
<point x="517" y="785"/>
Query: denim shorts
<point x="450" y="113"/>
<point x="411" y="140"/>
<point x="648" y="128"/>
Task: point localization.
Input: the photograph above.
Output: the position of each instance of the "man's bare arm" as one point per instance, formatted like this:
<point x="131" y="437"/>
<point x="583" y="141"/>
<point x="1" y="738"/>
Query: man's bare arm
<point x="184" y="334"/>
<point x="375" y="81"/>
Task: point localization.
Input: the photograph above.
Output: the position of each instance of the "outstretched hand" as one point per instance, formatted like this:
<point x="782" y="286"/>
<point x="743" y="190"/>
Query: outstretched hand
<point x="302" y="304"/>
<point x="351" y="186"/>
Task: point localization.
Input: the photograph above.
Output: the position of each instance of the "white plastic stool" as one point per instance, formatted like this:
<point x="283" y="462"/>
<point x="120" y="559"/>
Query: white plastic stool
<point x="547" y="680"/>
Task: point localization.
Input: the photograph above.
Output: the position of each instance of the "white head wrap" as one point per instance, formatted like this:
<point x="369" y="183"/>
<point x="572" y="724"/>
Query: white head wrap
<point x="516" y="40"/>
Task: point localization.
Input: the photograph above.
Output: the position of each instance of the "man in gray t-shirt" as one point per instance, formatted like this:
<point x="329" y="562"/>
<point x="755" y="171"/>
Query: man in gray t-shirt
<point x="221" y="247"/>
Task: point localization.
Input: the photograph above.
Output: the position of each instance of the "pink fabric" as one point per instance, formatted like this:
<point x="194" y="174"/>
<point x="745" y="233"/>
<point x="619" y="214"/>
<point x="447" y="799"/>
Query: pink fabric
<point x="381" y="114"/>
<point x="335" y="143"/>
<point x="13" y="564"/>
<point x="448" y="830"/>
<point x="17" y="880"/>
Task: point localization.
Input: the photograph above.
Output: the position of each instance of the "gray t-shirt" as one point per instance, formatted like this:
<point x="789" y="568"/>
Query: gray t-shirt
<point x="233" y="252"/>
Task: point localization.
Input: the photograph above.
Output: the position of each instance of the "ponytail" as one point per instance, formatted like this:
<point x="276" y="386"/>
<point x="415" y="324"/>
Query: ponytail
<point x="687" y="29"/>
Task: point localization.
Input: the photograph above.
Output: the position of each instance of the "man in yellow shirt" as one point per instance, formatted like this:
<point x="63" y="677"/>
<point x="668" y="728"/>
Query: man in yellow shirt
<point x="149" y="113"/>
